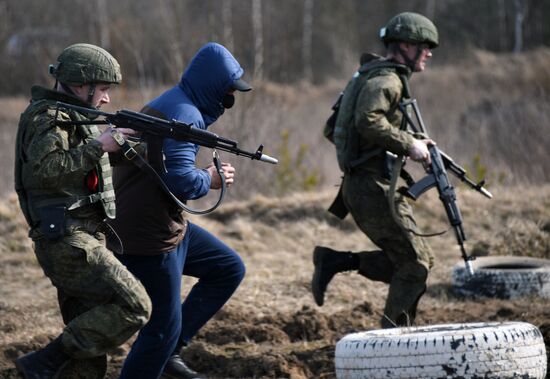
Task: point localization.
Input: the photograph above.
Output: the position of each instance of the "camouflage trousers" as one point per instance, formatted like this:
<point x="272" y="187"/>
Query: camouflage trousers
<point x="404" y="259"/>
<point x="101" y="302"/>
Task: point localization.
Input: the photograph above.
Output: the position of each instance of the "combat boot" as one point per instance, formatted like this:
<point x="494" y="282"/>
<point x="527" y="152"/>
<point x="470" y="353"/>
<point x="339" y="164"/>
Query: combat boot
<point x="43" y="363"/>
<point x="176" y="368"/>
<point x="328" y="263"/>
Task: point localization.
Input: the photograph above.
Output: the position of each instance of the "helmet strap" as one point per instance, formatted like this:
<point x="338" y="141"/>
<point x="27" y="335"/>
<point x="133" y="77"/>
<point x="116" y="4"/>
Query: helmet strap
<point x="411" y="63"/>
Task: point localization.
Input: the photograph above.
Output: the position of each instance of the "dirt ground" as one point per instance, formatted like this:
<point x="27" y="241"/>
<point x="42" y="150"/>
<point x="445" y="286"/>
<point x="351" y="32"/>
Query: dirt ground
<point x="272" y="328"/>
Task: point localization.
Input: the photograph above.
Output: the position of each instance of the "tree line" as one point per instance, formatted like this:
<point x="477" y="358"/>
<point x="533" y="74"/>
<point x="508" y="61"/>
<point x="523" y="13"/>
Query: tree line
<point x="285" y="41"/>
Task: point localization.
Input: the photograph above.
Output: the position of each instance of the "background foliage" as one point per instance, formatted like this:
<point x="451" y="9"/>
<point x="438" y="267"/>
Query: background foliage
<point x="285" y="41"/>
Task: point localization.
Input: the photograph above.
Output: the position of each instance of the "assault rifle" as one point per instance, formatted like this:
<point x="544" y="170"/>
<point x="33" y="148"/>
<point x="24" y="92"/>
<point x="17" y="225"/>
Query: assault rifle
<point x="437" y="177"/>
<point x="158" y="127"/>
<point x="166" y="129"/>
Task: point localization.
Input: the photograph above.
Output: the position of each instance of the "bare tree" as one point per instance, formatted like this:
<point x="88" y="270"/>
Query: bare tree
<point x="430" y="9"/>
<point x="521" y="12"/>
<point x="168" y="13"/>
<point x="257" y="26"/>
<point x="285" y="41"/>
<point x="211" y="11"/>
<point x="307" y="40"/>
<point x="502" y="24"/>
<point x="103" y="24"/>
<point x="227" y="20"/>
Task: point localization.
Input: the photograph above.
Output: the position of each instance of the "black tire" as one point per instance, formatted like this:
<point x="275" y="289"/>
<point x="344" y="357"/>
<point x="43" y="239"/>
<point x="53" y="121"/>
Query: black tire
<point x="468" y="351"/>
<point x="503" y="277"/>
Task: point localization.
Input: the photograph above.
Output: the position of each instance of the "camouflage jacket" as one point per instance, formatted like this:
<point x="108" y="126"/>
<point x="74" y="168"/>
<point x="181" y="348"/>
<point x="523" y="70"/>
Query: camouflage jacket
<point x="53" y="163"/>
<point x="370" y="118"/>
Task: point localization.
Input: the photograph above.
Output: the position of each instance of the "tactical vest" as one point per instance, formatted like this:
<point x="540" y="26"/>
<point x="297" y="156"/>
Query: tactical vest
<point x="72" y="195"/>
<point x="344" y="135"/>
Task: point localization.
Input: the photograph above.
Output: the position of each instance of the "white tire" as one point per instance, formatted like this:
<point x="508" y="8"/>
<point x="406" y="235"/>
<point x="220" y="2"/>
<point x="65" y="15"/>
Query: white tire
<point x="468" y="351"/>
<point x="503" y="277"/>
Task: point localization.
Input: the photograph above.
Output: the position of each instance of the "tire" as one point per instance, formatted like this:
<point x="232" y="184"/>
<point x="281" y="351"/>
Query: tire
<point x="477" y="350"/>
<point x="503" y="277"/>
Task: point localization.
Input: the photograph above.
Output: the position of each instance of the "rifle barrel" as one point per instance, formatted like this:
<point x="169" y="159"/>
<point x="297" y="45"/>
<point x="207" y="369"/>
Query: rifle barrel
<point x="460" y="173"/>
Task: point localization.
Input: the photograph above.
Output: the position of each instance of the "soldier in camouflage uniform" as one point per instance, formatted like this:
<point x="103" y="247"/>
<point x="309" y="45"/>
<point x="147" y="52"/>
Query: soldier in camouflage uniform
<point x="368" y="126"/>
<point x="63" y="180"/>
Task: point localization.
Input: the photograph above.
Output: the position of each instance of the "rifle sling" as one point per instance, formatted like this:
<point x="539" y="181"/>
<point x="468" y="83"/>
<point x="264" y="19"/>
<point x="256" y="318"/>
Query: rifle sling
<point x="144" y="166"/>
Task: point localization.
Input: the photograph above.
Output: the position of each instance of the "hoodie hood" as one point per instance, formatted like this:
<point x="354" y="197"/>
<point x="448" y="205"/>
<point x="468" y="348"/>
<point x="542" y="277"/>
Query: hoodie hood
<point x="208" y="78"/>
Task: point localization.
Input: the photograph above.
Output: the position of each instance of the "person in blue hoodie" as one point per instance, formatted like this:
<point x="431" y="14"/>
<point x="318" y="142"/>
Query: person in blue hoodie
<point x="160" y="245"/>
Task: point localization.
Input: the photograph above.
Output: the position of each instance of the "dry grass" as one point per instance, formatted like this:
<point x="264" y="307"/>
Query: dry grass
<point x="271" y="327"/>
<point x="489" y="105"/>
<point x="494" y="107"/>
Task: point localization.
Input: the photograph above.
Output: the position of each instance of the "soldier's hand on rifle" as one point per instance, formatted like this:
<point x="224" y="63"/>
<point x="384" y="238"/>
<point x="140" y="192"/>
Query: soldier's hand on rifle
<point x="228" y="173"/>
<point x="419" y="150"/>
<point x="108" y="142"/>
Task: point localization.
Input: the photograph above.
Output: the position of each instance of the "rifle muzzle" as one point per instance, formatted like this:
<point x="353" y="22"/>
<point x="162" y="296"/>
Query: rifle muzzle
<point x="268" y="159"/>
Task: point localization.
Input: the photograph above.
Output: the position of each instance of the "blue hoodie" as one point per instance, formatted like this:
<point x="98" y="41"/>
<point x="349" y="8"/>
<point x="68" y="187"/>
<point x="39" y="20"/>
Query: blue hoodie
<point x="195" y="100"/>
